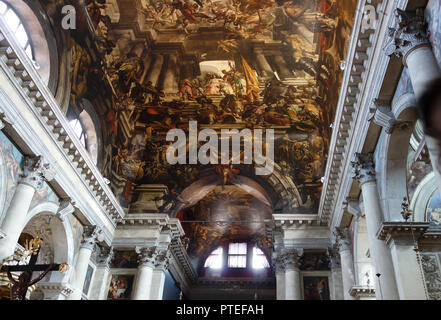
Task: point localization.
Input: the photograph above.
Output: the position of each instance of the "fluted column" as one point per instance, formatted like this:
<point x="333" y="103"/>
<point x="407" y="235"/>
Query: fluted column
<point x="347" y="261"/>
<point x="170" y="84"/>
<point x="31" y="179"/>
<point x="155" y="70"/>
<point x="283" y="67"/>
<point x="264" y="66"/>
<point x="90" y="237"/>
<point x="409" y="41"/>
<point x="102" y="274"/>
<point x="385" y="284"/>
<point x="143" y="281"/>
<point x="161" y="263"/>
<point x="279" y="269"/>
<point x="292" y="274"/>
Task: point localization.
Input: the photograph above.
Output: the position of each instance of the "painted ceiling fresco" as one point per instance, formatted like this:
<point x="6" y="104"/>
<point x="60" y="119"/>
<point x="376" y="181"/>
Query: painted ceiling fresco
<point x="225" y="64"/>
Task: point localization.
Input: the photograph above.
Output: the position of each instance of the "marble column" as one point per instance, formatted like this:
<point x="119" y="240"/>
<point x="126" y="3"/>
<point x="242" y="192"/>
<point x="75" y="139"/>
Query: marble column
<point x="31" y="179"/>
<point x="102" y="274"/>
<point x="292" y="274"/>
<point x="143" y="281"/>
<point x="263" y="64"/>
<point x="385" y="284"/>
<point x="90" y="237"/>
<point x="158" y="276"/>
<point x="409" y="40"/>
<point x="337" y="281"/>
<point x="155" y="70"/>
<point x="170" y="84"/>
<point x="279" y="270"/>
<point x="347" y="261"/>
<point x="283" y="67"/>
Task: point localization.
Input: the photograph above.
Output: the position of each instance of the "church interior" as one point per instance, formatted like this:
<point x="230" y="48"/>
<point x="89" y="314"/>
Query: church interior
<point x="93" y="93"/>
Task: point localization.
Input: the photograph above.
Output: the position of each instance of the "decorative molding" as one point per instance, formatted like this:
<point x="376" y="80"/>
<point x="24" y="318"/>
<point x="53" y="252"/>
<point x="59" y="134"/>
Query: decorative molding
<point x="383" y="115"/>
<point x="22" y="74"/>
<point x="431" y="267"/>
<point x="362" y="291"/>
<point x="362" y="50"/>
<point x="408" y="231"/>
<point x="55" y="290"/>
<point x="65" y="209"/>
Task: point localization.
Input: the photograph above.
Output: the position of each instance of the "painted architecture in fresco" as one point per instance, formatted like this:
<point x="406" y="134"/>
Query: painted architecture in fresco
<point x="228" y="64"/>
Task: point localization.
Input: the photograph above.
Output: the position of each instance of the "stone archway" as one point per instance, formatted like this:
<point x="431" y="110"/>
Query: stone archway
<point x="57" y="247"/>
<point x="393" y="157"/>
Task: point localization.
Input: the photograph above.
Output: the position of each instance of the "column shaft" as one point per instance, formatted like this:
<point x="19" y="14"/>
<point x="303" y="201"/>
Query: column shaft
<point x="170" y="84"/>
<point x="407" y="271"/>
<point x="15" y="218"/>
<point x="157" y="286"/>
<point x="280" y="285"/>
<point x="347" y="272"/>
<point x="264" y="66"/>
<point x="143" y="282"/>
<point x="80" y="272"/>
<point x="292" y="283"/>
<point x="337" y="284"/>
<point x="155" y="70"/>
<point x="385" y="285"/>
<point x="284" y="71"/>
<point x="423" y="69"/>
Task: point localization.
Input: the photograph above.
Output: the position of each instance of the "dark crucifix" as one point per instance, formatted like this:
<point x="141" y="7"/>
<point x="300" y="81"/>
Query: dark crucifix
<point x="20" y="286"/>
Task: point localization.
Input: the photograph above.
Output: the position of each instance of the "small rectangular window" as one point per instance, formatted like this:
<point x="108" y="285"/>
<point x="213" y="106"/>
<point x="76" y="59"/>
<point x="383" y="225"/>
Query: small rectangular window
<point x="237" y="255"/>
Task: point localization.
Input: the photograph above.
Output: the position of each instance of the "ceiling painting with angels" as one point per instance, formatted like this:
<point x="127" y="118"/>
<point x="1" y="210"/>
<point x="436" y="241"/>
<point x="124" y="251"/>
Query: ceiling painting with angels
<point x="227" y="64"/>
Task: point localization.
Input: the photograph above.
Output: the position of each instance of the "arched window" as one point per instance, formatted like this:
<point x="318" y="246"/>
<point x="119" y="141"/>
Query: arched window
<point x="85" y="130"/>
<point x="238" y="254"/>
<point x="17" y="27"/>
<point x="214" y="260"/>
<point x="79" y="131"/>
<point x="259" y="259"/>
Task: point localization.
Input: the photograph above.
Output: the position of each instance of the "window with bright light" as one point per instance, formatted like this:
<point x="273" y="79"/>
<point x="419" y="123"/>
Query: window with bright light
<point x="259" y="259"/>
<point x="17" y="27"/>
<point x="79" y="131"/>
<point x="237" y="255"/>
<point x="214" y="260"/>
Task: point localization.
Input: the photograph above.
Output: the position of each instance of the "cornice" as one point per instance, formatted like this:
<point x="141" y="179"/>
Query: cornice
<point x="359" y="54"/>
<point x="358" y="91"/>
<point x="362" y="291"/>
<point x="402" y="231"/>
<point x="23" y="76"/>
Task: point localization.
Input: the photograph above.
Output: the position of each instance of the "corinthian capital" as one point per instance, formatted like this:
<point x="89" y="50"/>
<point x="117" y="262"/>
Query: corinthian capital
<point x="35" y="171"/>
<point x="408" y="34"/>
<point x="154" y="257"/>
<point x="105" y="256"/>
<point x="334" y="258"/>
<point x="291" y="258"/>
<point x="343" y="238"/>
<point x="91" y="234"/>
<point x="277" y="262"/>
<point x="364" y="167"/>
<point x="162" y="259"/>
